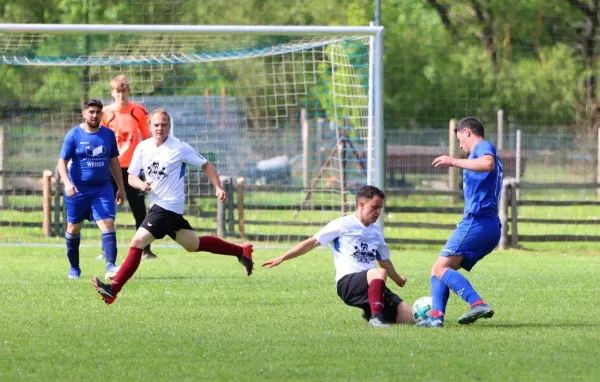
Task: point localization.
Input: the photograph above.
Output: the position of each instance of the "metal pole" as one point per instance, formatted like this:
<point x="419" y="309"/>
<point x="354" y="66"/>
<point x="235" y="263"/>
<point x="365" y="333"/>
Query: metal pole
<point x="377" y="12"/>
<point x="370" y="106"/>
<point x="500" y="143"/>
<point x="379" y="129"/>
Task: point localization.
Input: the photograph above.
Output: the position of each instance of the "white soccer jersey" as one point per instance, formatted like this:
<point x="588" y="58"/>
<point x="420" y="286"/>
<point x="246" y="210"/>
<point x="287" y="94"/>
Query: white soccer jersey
<point x="355" y="247"/>
<point x="165" y="166"/>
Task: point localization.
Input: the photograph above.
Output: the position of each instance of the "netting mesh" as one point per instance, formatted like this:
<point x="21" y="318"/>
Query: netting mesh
<point x="241" y="100"/>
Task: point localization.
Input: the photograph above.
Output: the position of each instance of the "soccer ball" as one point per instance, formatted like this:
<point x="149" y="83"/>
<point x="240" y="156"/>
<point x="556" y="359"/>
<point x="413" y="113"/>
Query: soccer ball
<point x="422" y="308"/>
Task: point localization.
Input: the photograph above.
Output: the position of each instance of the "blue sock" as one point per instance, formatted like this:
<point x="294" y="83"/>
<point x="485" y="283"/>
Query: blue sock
<point x="440" y="294"/>
<point x="109" y="245"/>
<point x="73" y="249"/>
<point x="461" y="286"/>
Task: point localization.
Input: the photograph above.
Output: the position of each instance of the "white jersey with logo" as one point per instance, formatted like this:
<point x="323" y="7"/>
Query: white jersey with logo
<point x="165" y="166"/>
<point x="355" y="247"/>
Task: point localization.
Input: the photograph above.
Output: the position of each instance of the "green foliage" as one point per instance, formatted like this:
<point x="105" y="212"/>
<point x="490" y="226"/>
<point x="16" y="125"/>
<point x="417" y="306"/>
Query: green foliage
<point x="432" y="72"/>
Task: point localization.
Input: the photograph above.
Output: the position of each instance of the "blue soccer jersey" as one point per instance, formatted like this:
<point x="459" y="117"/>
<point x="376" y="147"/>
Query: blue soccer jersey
<point x="482" y="189"/>
<point x="90" y="155"/>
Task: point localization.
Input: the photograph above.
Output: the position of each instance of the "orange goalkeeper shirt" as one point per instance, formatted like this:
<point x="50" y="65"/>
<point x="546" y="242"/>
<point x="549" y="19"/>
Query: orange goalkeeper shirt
<point x="128" y="123"/>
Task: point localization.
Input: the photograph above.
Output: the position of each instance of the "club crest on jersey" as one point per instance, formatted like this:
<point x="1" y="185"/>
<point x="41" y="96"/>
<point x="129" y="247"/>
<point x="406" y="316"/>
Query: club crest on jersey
<point x="92" y="151"/>
<point x="155" y="172"/>
<point x="363" y="254"/>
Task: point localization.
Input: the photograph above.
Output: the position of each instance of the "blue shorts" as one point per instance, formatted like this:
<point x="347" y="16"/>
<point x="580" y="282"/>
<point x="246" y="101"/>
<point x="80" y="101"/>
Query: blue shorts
<point x="92" y="203"/>
<point x="474" y="238"/>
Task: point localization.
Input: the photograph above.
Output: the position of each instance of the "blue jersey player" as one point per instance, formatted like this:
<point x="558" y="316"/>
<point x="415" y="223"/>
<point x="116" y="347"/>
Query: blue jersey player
<point x="479" y="231"/>
<point x="92" y="152"/>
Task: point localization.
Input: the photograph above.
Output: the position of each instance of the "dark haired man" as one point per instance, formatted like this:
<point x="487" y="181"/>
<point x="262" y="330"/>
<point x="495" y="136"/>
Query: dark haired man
<point x="479" y="231"/>
<point x="358" y="244"/>
<point x="89" y="194"/>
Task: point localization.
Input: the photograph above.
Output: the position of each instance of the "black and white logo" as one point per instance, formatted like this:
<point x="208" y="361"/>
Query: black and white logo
<point x="155" y="172"/>
<point x="364" y="254"/>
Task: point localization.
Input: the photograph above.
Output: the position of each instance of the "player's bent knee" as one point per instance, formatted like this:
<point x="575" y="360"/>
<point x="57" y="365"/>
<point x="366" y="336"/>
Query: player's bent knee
<point x="404" y="314"/>
<point x="376" y="274"/>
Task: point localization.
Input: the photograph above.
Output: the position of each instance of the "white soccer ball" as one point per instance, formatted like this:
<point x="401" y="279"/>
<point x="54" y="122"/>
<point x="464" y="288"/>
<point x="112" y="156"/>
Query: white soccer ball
<point x="422" y="308"/>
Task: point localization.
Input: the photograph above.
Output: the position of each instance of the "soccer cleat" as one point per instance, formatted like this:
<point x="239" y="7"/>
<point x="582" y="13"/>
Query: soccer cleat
<point x="105" y="291"/>
<point x="246" y="258"/>
<point x="148" y="255"/>
<point x="476" y="312"/>
<point x="431" y="322"/>
<point x="377" y="321"/>
<point x="366" y="315"/>
<point x="74" y="273"/>
<point x="111" y="271"/>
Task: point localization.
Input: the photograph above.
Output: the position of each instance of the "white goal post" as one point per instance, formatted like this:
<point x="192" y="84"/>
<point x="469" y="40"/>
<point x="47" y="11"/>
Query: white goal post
<point x="255" y="85"/>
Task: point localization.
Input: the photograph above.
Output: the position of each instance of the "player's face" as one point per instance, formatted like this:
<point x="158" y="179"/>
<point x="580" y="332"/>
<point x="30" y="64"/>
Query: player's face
<point x="160" y="126"/>
<point x="120" y="95"/>
<point x="370" y="209"/>
<point x="92" y="116"/>
<point x="463" y="137"/>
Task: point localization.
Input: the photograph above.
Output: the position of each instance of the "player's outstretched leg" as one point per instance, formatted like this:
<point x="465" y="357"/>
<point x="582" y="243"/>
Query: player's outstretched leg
<point x="104" y="290"/>
<point x="219" y="246"/>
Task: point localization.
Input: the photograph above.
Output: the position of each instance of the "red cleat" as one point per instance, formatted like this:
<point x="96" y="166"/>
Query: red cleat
<point x="105" y="291"/>
<point x="246" y="258"/>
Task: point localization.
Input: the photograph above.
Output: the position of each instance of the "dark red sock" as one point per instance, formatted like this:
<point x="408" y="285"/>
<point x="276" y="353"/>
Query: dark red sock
<point x="127" y="269"/>
<point x="220" y="247"/>
<point x="376" y="289"/>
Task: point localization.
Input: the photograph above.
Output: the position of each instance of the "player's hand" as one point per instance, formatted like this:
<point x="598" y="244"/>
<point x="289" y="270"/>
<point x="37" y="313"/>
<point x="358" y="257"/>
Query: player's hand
<point x="71" y="190"/>
<point x="402" y="281"/>
<point x="273" y="262"/>
<point x="443" y="160"/>
<point x="146" y="186"/>
<point x="120" y="197"/>
<point x="221" y="195"/>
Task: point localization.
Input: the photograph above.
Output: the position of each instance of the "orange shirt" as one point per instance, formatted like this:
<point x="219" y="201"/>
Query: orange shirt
<point x="128" y="123"/>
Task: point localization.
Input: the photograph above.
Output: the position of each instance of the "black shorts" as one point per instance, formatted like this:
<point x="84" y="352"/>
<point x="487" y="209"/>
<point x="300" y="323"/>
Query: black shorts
<point x="353" y="289"/>
<point x="160" y="222"/>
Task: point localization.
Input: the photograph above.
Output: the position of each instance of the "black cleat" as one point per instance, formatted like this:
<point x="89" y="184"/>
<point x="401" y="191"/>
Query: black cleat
<point x="246" y="258"/>
<point x="105" y="290"/>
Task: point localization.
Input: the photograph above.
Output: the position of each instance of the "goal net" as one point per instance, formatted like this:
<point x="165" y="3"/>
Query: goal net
<point x="286" y="114"/>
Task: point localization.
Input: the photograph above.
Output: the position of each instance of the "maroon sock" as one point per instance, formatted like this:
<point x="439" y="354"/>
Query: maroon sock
<point x="127" y="269"/>
<point x="220" y="247"/>
<point x="376" y="289"/>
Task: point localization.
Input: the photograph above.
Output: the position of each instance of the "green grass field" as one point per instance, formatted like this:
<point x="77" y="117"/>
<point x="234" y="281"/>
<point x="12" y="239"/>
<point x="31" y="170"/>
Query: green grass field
<point x="198" y="317"/>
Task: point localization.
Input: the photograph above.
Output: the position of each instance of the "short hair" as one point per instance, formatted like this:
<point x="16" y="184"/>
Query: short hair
<point x="368" y="193"/>
<point x="92" y="102"/>
<point x="159" y="111"/>
<point x="471" y="123"/>
<point x="120" y="82"/>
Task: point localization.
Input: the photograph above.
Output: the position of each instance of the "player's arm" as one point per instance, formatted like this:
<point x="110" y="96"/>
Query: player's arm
<point x="213" y="178"/>
<point x="142" y="116"/>
<point x="298" y="250"/>
<point x="391" y="271"/>
<point x="485" y="163"/>
<point x="66" y="153"/>
<point x="135" y="169"/>
<point x="115" y="169"/>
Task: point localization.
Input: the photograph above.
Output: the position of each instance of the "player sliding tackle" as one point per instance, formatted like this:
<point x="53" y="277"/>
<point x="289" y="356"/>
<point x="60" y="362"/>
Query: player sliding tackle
<point x="357" y="244"/>
<point x="163" y="160"/>
<point x="479" y="231"/>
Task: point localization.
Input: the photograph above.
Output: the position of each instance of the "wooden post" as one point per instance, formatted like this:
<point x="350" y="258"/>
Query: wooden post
<point x="307" y="153"/>
<point x="223" y="107"/>
<point x="57" y="208"/>
<point x="221" y="211"/>
<point x="230" y="200"/>
<point x="500" y="143"/>
<point x="4" y="151"/>
<point x="514" y="212"/>
<point x="518" y="162"/>
<point x="598" y="167"/>
<point x="503" y="214"/>
<point x="240" y="201"/>
<point x="453" y="174"/>
<point x="47" y="203"/>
